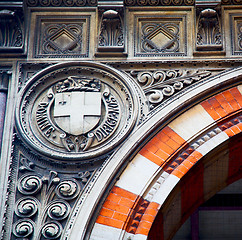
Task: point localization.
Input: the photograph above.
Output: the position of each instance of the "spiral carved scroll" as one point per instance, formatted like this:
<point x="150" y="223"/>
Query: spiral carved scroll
<point x="58" y="210"/>
<point x="68" y="189"/>
<point x="29" y="184"/>
<point x="26" y="207"/>
<point x="51" y="230"/>
<point x="23" y="228"/>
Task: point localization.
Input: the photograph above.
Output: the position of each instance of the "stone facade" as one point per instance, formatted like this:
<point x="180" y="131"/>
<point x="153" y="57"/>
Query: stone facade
<point x="114" y="114"/>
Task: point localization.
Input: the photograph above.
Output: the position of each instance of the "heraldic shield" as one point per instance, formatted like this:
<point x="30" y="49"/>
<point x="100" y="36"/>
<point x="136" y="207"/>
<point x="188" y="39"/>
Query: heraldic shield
<point x="77" y="112"/>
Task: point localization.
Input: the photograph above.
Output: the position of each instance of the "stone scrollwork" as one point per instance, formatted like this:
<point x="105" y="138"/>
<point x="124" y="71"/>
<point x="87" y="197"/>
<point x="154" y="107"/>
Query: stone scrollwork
<point x="58" y="210"/>
<point x="26" y="165"/>
<point x="63" y="3"/>
<point x="43" y="213"/>
<point x="29" y="184"/>
<point x="240" y="36"/>
<point x="26" y="207"/>
<point x="227" y="2"/>
<point x="159" y="85"/>
<point x="51" y="230"/>
<point x="160" y="3"/>
<point x="23" y="228"/>
<point x="68" y="189"/>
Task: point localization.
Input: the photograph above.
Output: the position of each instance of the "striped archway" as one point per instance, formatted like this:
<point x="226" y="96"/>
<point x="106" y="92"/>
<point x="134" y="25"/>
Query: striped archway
<point x="159" y="167"/>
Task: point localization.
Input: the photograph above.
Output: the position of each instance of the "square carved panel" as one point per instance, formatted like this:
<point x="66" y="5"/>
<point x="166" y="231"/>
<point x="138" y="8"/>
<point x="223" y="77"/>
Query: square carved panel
<point x="62" y="37"/>
<point x="236" y="34"/>
<point x="160" y="36"/>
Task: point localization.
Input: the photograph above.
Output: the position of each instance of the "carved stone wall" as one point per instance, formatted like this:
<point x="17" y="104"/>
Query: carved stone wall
<point x="88" y="79"/>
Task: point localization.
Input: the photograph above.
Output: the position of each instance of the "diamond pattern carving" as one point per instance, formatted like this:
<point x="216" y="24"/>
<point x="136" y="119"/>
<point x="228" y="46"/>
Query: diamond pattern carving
<point x="160" y="36"/>
<point x="62" y="37"/>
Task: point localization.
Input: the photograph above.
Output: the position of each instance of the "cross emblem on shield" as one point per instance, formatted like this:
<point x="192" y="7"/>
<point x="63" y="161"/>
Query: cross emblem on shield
<point x="77" y="112"/>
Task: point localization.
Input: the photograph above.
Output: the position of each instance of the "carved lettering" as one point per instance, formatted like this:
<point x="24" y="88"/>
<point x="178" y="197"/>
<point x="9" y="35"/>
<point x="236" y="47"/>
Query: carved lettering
<point x="111" y="120"/>
<point x="43" y="120"/>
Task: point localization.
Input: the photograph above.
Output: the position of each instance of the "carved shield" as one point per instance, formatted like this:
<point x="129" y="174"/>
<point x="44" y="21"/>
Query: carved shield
<point x="77" y="112"/>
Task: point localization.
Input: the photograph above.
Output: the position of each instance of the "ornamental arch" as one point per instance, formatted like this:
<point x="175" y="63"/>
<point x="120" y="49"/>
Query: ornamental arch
<point x="141" y="191"/>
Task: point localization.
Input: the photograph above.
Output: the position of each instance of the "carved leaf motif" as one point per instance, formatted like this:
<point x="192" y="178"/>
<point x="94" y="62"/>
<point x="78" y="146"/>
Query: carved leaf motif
<point x="111" y="30"/>
<point x="208" y="28"/>
<point x="84" y="176"/>
<point x="27" y="165"/>
<point x="10" y="30"/>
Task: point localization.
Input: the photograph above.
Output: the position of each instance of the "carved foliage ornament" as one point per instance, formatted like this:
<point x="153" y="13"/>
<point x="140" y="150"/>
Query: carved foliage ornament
<point x="11" y="34"/>
<point x="76" y="111"/>
<point x="111" y="31"/>
<point x="162" y="84"/>
<point x="209" y="30"/>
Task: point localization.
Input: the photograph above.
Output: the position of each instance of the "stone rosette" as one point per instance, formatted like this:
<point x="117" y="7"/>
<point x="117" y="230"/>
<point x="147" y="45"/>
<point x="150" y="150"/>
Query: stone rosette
<point x="77" y="111"/>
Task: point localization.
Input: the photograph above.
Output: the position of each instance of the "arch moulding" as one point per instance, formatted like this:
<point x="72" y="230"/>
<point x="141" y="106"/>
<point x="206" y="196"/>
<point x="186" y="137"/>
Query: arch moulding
<point x="136" y="182"/>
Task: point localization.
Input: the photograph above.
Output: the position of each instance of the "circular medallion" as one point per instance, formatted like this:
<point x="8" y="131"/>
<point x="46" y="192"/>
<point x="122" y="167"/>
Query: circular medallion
<point x="76" y="111"/>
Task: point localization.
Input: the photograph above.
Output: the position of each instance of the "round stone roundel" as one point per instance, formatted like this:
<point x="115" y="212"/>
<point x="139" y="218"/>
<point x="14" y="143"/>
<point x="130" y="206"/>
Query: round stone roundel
<point x="76" y="111"/>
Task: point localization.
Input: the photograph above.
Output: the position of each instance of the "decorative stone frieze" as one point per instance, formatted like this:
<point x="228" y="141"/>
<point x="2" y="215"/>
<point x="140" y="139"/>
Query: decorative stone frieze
<point x="163" y="84"/>
<point x="159" y="2"/>
<point x="231" y="2"/>
<point x="61" y="3"/>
